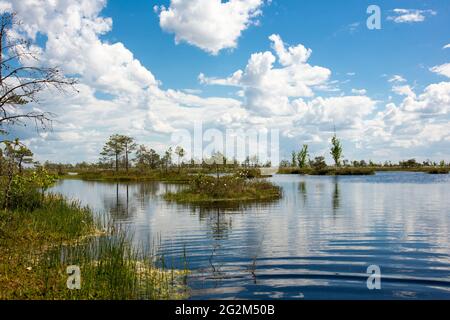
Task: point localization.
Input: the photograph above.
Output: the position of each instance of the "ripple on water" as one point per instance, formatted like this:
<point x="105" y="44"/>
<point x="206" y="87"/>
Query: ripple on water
<point x="314" y="243"/>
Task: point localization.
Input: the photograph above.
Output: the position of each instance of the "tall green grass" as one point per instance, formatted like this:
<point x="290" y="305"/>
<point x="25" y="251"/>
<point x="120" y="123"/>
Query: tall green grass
<point x="37" y="246"/>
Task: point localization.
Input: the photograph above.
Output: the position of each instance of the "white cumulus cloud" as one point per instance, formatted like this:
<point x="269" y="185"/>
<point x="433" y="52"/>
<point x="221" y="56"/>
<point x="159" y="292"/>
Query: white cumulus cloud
<point x="116" y="92"/>
<point x="267" y="89"/>
<point x="211" y="25"/>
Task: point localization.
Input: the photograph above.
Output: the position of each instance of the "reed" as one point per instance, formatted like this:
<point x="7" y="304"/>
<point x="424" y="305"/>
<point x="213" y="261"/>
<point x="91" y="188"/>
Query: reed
<point x="36" y="247"/>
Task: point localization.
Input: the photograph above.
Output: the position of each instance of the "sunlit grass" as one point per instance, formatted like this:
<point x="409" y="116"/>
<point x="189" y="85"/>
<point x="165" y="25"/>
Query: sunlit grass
<point x="36" y="247"/>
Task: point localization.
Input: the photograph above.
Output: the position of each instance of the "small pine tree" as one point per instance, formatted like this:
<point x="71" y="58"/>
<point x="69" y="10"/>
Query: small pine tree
<point x="336" y="150"/>
<point x="303" y="156"/>
<point x="294" y="159"/>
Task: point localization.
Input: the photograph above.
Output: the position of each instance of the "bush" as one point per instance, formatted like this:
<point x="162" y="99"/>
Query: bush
<point x="24" y="194"/>
<point x="25" y="191"/>
<point x="248" y="173"/>
<point x="438" y="171"/>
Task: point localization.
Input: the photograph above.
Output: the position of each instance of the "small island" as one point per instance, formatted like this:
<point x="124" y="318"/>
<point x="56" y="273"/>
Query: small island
<point x="230" y="188"/>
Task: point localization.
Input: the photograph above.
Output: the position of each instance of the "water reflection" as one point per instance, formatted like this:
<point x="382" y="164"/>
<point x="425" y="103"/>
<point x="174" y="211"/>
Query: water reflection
<point x="218" y="223"/>
<point x="336" y="195"/>
<point x="119" y="206"/>
<point x="314" y="243"/>
<point x="303" y="191"/>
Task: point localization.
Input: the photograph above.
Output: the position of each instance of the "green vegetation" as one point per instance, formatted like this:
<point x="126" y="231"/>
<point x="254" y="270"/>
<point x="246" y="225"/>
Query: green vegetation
<point x="149" y="165"/>
<point x="41" y="235"/>
<point x="336" y="150"/>
<point x="173" y="176"/>
<point x="329" y="171"/>
<point x="204" y="188"/>
<point x="116" y="146"/>
<point x="303" y="157"/>
<point x="438" y="170"/>
<point x="318" y="166"/>
<point x="250" y="173"/>
<point x="37" y="246"/>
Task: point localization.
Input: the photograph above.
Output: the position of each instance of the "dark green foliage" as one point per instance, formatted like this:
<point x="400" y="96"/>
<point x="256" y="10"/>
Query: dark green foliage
<point x="319" y="164"/>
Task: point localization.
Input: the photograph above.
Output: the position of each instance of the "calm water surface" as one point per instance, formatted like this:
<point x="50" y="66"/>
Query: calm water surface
<point x="314" y="243"/>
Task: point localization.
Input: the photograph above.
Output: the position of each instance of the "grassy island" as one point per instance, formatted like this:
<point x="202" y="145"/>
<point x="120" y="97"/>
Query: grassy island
<point x="232" y="188"/>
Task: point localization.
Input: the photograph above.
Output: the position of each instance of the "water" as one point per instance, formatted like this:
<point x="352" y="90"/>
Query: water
<point x="315" y="243"/>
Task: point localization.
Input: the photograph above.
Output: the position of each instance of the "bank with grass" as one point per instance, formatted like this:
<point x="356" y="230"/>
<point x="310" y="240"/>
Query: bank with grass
<point x="37" y="246"/>
<point x="343" y="171"/>
<point x="328" y="171"/>
<point x="173" y="176"/>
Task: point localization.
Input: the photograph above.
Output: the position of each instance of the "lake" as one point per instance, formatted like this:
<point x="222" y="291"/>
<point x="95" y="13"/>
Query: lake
<point x="315" y="243"/>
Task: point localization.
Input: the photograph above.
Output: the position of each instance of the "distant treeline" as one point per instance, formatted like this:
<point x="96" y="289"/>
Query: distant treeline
<point x="121" y="152"/>
<point x="302" y="160"/>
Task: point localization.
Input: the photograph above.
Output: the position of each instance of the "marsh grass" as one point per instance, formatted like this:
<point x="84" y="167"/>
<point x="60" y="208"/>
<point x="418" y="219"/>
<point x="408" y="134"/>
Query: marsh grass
<point x="36" y="247"/>
<point x="173" y="176"/>
<point x="329" y="171"/>
<point x="438" y="171"/>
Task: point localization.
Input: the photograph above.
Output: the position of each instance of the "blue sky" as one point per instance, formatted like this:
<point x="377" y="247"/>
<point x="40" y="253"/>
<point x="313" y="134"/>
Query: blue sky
<point x="323" y="26"/>
<point x="389" y="70"/>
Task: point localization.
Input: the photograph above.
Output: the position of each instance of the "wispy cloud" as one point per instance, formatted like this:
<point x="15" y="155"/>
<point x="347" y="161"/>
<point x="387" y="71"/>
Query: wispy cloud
<point x="410" y="15"/>
<point x="397" y="79"/>
<point x="443" y="70"/>
<point x="360" y="92"/>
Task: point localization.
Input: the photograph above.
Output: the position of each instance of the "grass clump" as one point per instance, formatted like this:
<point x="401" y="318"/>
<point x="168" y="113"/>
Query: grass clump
<point x="248" y="173"/>
<point x="204" y="188"/>
<point x="37" y="246"/>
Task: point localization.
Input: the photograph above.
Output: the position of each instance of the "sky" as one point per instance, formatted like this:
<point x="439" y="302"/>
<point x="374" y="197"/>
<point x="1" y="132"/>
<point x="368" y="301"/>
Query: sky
<point x="306" y="68"/>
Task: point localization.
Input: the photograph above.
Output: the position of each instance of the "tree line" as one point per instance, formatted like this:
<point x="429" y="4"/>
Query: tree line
<point x="302" y="160"/>
<point x="118" y="150"/>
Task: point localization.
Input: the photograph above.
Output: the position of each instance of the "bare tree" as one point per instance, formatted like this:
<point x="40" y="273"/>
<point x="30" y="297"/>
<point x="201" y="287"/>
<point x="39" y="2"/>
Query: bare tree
<point x="22" y="78"/>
